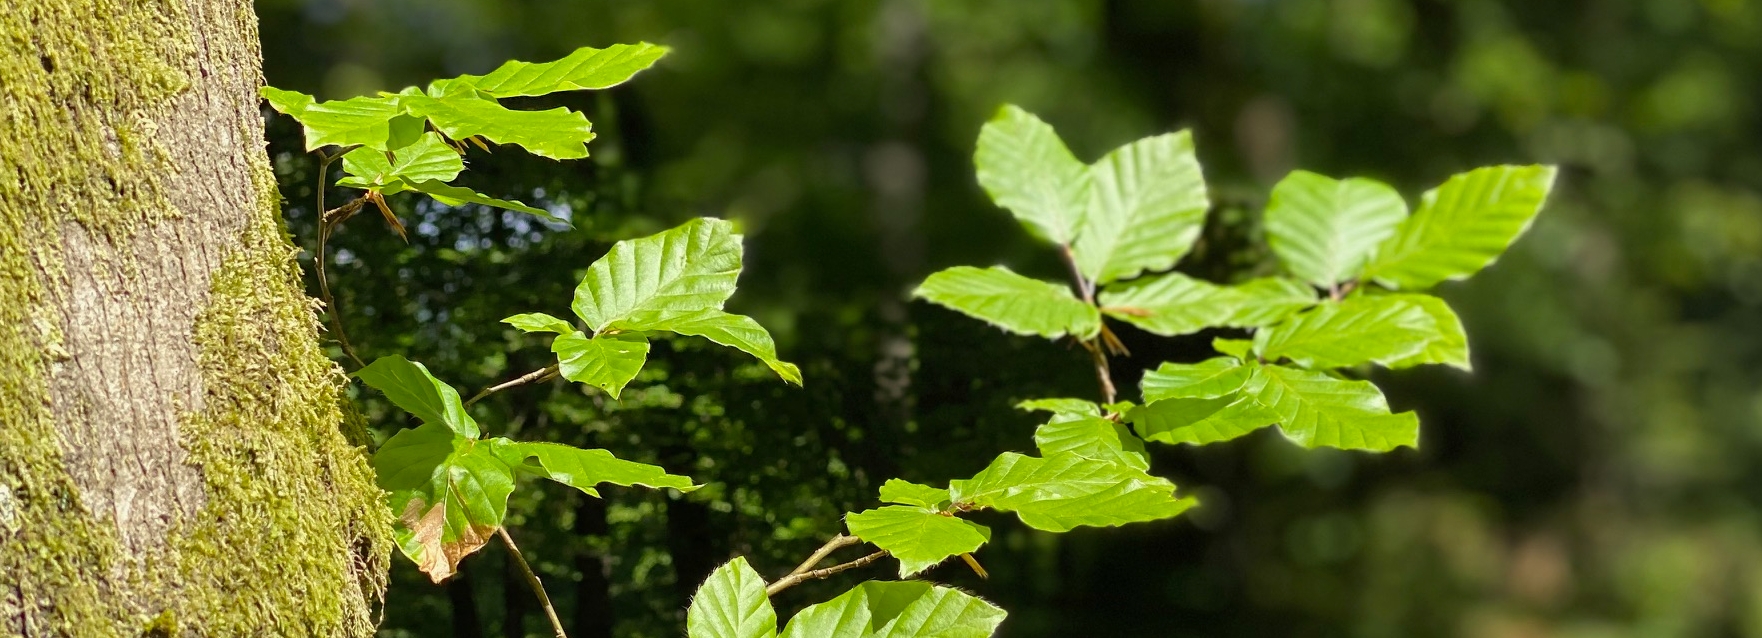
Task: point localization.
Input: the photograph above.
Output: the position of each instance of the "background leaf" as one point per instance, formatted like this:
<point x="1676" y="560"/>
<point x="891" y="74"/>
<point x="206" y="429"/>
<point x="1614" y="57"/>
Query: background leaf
<point x="1146" y="206"/>
<point x="409" y="386"/>
<point x="1002" y="298"/>
<point x="688" y="268"/>
<point x="731" y="604"/>
<point x="1324" y="229"/>
<point x="604" y="361"/>
<point x="1026" y="169"/>
<point x="1462" y="226"/>
<point x="920" y="538"/>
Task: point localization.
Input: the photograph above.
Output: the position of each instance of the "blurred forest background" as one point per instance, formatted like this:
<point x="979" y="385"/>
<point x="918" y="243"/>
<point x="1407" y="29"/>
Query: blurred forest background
<point x="1599" y="475"/>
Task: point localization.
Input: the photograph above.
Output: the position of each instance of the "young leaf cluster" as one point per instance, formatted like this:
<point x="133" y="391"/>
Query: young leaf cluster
<point x="1356" y="266"/>
<point x="414" y="140"/>
<point x="732" y="603"/>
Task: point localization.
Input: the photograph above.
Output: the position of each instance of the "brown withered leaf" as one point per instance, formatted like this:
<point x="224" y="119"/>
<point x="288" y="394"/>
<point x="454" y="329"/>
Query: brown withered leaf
<point x="439" y="558"/>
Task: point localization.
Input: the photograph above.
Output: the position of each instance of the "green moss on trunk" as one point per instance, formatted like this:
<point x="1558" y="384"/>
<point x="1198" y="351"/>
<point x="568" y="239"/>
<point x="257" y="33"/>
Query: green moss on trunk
<point x="292" y="537"/>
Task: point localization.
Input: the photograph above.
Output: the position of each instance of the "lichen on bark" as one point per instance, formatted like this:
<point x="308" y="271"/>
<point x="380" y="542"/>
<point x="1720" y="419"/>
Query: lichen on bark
<point x="144" y="275"/>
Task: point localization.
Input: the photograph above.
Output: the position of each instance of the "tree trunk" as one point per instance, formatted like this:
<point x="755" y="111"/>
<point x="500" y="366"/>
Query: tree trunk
<point x="171" y="454"/>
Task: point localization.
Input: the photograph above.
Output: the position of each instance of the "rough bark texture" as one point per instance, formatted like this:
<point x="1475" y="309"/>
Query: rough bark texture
<point x="172" y="459"/>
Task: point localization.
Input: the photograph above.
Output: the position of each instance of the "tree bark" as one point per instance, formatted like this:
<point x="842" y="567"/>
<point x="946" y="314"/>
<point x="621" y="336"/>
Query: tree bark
<point x="172" y="460"/>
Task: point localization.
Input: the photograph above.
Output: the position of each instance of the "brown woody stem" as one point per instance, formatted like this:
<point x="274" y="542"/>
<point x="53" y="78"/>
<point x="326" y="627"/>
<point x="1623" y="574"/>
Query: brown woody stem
<point x="532" y="580"/>
<point x="536" y="375"/>
<point x="795" y="579"/>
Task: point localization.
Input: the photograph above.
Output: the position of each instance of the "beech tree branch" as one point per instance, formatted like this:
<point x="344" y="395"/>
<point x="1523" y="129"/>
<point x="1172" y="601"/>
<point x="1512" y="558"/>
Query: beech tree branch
<point x="542" y="374"/>
<point x="795" y="579"/>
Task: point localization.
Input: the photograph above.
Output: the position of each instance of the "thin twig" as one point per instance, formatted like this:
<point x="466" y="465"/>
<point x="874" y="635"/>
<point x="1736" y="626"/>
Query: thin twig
<point x="542" y="374"/>
<point x="324" y="225"/>
<point x="532" y="579"/>
<point x="1102" y="373"/>
<point x="795" y="579"/>
<point x="838" y="542"/>
<point x="1083" y="284"/>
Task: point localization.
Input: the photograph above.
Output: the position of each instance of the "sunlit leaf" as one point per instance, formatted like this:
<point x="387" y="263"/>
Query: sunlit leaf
<point x="429" y="158"/>
<point x="539" y="322"/>
<point x="1174" y="304"/>
<point x="1091" y="438"/>
<point x="1238" y="348"/>
<point x="1462" y="226"/>
<point x="1358" y="330"/>
<point x="735" y="331"/>
<point x="1317" y="410"/>
<point x="409" y="386"/>
<point x="1146" y="206"/>
<point x="1027" y="170"/>
<point x="584" y="469"/>
<point x="906" y="492"/>
<point x="450" y="493"/>
<point x="377" y="123"/>
<point x="920" y="538"/>
<point x="604" y="361"/>
<point x="1200" y="421"/>
<point x="1075" y="407"/>
<point x="1208" y="379"/>
<point x="1324" y="229"/>
<point x="557" y="133"/>
<point x="686" y="269"/>
<point x="731" y="604"/>
<point x="1002" y="298"/>
<point x="1064" y="491"/>
<point x="905" y="609"/>
<point x="586" y="68"/>
<point x="1450" y="345"/>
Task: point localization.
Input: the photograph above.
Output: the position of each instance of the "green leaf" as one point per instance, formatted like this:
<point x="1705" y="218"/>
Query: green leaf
<point x="1238" y="348"/>
<point x="1317" y="410"/>
<point x="1146" y="207"/>
<point x="1025" y="168"/>
<point x="906" y="492"/>
<point x="1208" y="379"/>
<point x="1065" y="491"/>
<point x="291" y="103"/>
<point x="604" y="361"/>
<point x="1076" y="407"/>
<point x="539" y="322"/>
<point x="1091" y="438"/>
<point x="735" y="331"/>
<point x="557" y="133"/>
<point x="459" y="196"/>
<point x="1200" y="421"/>
<point x="1174" y="304"/>
<point x="584" y="469"/>
<point x="1324" y="229"/>
<point x="449" y="491"/>
<point x="920" y="538"/>
<point x="1351" y="332"/>
<point x="586" y="68"/>
<point x="1002" y="298"/>
<point x="906" y="609"/>
<point x="1462" y="226"/>
<point x="689" y="268"/>
<point x="429" y="158"/>
<point x="731" y="604"/>
<point x="377" y="123"/>
<point x="409" y="386"/>
<point x="1450" y="347"/>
